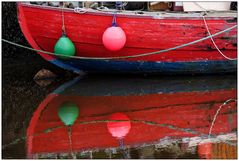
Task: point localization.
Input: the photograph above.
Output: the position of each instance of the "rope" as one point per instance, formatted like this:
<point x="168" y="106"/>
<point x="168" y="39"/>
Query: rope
<point x="209" y="33"/>
<point x="121" y="145"/>
<point x="80" y="10"/>
<point x="215" y="116"/>
<point x="124" y="4"/>
<point x="202" y="8"/>
<point x="114" y="20"/>
<point x="191" y="131"/>
<point x="63" y="19"/>
<point x="69" y="130"/>
<point x="124" y="57"/>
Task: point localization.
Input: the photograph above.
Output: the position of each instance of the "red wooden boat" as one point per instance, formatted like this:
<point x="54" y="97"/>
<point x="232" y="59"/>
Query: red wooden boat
<point x="145" y="32"/>
<point x="155" y="111"/>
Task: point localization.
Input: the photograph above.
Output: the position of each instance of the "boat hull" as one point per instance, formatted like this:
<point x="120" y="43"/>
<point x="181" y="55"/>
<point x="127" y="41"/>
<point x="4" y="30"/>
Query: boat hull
<point x="145" y="33"/>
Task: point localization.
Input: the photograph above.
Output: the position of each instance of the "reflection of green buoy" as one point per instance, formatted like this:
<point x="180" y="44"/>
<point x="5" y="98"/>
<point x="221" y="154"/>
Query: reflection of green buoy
<point x="64" y="47"/>
<point x="68" y="113"/>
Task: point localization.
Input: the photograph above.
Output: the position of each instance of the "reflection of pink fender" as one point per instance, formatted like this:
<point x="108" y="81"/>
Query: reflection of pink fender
<point x="119" y="129"/>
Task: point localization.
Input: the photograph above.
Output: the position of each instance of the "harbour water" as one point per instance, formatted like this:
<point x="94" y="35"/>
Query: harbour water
<point x="121" y="117"/>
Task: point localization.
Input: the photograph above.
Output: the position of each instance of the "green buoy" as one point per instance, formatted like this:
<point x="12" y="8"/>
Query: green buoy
<point x="64" y="47"/>
<point x="68" y="113"/>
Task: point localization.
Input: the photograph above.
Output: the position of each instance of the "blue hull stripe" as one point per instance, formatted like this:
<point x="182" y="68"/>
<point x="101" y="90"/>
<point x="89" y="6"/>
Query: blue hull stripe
<point x="66" y="66"/>
<point x="107" y="66"/>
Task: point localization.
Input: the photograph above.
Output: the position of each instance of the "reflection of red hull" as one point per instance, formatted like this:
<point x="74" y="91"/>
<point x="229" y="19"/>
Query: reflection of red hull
<point x="193" y="110"/>
<point x="145" y="33"/>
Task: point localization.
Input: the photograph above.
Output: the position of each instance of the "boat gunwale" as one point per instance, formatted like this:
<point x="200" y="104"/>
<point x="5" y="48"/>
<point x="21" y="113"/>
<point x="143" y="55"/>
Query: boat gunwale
<point x="152" y="15"/>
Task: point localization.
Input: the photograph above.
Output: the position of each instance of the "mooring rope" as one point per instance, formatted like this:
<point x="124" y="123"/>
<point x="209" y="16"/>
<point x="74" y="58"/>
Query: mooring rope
<point x="209" y="33"/>
<point x="69" y="130"/>
<point x="122" y="147"/>
<point x="202" y="8"/>
<point x="63" y="18"/>
<point x="215" y="116"/>
<point x="81" y="10"/>
<point x="172" y="127"/>
<point x="123" y="57"/>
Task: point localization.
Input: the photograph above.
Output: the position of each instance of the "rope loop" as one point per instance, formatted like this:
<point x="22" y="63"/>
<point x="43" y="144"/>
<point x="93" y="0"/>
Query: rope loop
<point x="114" y="20"/>
<point x="215" y="116"/>
<point x="80" y="10"/>
<point x="209" y="33"/>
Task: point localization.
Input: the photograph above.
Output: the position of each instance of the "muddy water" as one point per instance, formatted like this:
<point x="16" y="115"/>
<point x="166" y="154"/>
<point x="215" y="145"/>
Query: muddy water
<point x="121" y="117"/>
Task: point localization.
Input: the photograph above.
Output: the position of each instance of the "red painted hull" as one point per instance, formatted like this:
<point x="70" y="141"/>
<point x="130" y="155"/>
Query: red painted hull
<point x="42" y="28"/>
<point x="183" y="110"/>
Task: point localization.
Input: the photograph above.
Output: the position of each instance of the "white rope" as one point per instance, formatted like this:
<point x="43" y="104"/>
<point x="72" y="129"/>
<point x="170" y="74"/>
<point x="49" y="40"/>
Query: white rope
<point x="80" y="10"/>
<point x="209" y="33"/>
<point x="202" y="8"/>
<point x="63" y="18"/>
<point x="215" y="116"/>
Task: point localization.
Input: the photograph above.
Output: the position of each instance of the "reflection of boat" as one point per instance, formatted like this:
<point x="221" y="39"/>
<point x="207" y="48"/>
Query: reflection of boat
<point x="172" y="108"/>
<point x="145" y="31"/>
